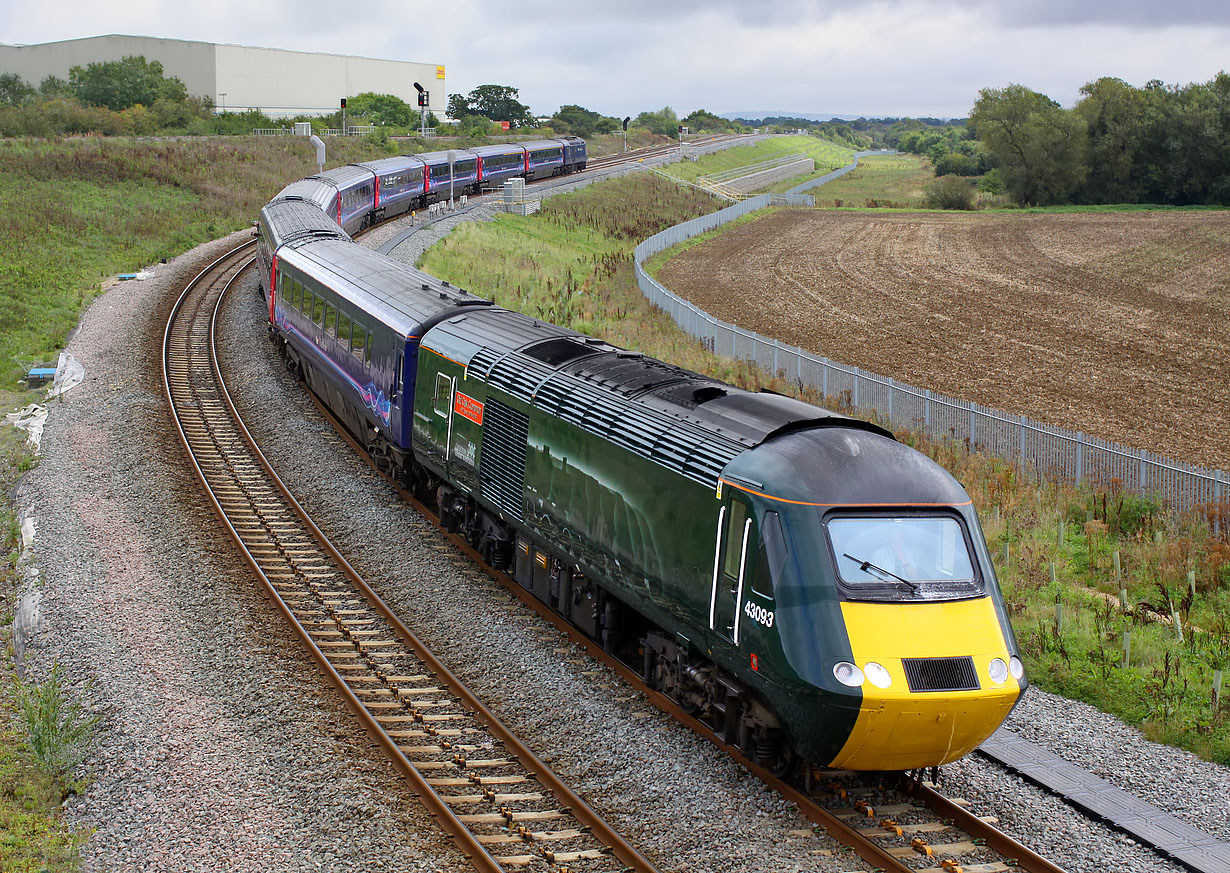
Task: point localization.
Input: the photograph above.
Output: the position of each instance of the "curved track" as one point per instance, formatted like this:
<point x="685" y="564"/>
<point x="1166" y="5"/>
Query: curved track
<point x="500" y="803"/>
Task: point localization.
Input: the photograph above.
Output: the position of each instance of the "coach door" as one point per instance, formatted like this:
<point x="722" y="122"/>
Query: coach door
<point x="730" y="565"/>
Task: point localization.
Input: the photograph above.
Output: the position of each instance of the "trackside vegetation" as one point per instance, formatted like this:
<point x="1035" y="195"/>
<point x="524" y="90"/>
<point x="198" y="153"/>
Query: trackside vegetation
<point x="1151" y="658"/>
<point x="32" y="835"/>
<point x="827" y="155"/>
<point x="82" y="209"/>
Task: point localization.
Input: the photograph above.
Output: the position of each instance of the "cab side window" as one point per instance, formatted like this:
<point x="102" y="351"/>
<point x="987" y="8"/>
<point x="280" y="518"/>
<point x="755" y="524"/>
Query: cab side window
<point x="772" y="558"/>
<point x="734" y="540"/>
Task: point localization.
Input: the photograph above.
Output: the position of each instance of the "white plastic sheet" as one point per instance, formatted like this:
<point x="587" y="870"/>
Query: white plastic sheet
<point x="30" y="419"/>
<point x="69" y="374"/>
<point x="28" y="527"/>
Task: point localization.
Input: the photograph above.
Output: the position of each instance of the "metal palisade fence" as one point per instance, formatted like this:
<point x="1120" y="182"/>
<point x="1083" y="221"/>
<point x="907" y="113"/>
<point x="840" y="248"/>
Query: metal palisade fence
<point x="1038" y="448"/>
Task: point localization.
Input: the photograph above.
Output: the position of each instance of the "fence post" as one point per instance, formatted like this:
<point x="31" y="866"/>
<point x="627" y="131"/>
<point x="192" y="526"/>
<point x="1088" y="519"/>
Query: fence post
<point x="1080" y="455"/>
<point x="1141" y="484"/>
<point x="973" y="427"/>
<point x="824" y="369"/>
<point x="927" y="412"/>
<point x="776" y="346"/>
<point x="1021" y="451"/>
<point x="854" y="394"/>
<point x="890" y="399"/>
<point x="1218" y="492"/>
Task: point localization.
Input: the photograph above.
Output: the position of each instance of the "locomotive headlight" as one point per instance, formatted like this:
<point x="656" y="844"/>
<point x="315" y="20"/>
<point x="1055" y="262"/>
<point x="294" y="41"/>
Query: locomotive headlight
<point x="848" y="674"/>
<point x="1016" y="668"/>
<point x="998" y="671"/>
<point x="877" y="674"/>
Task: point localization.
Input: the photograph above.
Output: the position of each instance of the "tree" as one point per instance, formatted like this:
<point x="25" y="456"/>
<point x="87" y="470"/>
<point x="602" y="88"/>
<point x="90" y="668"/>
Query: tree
<point x="582" y="122"/>
<point x="123" y="83"/>
<point x="1039" y="147"/>
<point x="496" y="102"/>
<point x="53" y="87"/>
<point x="702" y="120"/>
<point x="664" y="121"/>
<point x="382" y="109"/>
<point x="14" y="90"/>
<point x="1113" y="112"/>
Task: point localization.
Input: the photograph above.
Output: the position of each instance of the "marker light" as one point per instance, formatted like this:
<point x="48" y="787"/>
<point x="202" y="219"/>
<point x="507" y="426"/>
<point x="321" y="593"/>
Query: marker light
<point x="1016" y="668"/>
<point x="848" y="674"/>
<point x="998" y="671"/>
<point x="877" y="674"/>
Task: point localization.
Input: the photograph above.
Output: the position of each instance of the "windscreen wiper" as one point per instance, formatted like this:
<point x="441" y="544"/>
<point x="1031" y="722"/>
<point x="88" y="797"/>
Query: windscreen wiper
<point x="867" y="565"/>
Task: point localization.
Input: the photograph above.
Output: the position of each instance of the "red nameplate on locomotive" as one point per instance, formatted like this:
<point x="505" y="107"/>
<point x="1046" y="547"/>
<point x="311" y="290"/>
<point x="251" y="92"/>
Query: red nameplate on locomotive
<point x="468" y="407"/>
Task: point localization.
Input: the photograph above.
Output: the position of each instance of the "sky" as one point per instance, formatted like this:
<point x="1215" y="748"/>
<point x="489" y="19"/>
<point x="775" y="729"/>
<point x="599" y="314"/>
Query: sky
<point x="622" y="57"/>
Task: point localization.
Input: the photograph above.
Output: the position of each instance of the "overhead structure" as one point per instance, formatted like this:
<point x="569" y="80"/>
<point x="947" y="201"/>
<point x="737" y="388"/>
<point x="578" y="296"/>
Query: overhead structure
<point x="236" y="77"/>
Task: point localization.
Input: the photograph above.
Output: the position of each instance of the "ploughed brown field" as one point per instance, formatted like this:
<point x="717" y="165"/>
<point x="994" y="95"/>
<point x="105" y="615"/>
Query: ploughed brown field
<point x="1116" y="324"/>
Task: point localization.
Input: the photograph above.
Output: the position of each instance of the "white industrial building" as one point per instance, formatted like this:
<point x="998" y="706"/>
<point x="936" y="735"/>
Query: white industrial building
<point x="238" y="77"/>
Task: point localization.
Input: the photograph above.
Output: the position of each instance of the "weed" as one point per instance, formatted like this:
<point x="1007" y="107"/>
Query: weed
<point x="56" y="729"/>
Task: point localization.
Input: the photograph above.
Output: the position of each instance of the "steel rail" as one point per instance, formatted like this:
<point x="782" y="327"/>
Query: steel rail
<point x="1019" y="855"/>
<point x="470" y="843"/>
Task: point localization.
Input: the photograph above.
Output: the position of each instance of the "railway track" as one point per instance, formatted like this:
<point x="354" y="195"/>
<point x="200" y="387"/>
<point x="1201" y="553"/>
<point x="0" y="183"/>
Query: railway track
<point x="504" y="807"/>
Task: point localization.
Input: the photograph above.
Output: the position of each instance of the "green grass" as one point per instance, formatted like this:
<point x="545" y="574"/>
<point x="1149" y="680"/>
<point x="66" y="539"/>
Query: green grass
<point x="79" y="210"/>
<point x="571" y="265"/>
<point x="894" y="181"/>
<point x="828" y="156"/>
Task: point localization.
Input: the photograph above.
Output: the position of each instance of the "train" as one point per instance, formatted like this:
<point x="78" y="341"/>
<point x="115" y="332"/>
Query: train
<point x="812" y="589"/>
<point x="359" y="195"/>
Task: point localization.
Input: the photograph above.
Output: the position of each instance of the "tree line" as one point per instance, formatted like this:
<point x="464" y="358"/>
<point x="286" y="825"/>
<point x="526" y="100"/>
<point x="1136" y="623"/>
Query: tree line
<point x="1165" y="144"/>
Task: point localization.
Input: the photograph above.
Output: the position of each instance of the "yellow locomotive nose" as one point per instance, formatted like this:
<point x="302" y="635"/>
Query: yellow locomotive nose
<point x="938" y="685"/>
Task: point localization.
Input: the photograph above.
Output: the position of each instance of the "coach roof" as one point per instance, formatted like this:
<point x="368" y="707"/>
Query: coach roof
<point x="403" y="298"/>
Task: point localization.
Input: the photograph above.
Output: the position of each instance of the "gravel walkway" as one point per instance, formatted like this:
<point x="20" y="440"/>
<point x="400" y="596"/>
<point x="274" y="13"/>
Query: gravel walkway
<point x="221" y="748"/>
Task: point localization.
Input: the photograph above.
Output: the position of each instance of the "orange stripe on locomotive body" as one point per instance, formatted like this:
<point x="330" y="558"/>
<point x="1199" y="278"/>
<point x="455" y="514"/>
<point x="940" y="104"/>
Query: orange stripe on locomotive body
<point x="899" y="729"/>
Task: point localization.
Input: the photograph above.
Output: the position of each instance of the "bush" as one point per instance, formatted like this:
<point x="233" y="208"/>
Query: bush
<point x="950" y="192"/>
<point x="991" y="182"/>
<point x="56" y="729"/>
<point x="956" y="164"/>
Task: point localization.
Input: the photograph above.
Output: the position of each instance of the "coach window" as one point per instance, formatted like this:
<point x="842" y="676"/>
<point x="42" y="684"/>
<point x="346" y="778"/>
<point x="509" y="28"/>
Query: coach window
<point x="343" y="329"/>
<point x="296" y="295"/>
<point x="357" y="345"/>
<point x="330" y="319"/>
<point x="306" y="308"/>
<point x="367" y="351"/>
<point x="443" y="394"/>
<point x="318" y="309"/>
<point x="395" y="388"/>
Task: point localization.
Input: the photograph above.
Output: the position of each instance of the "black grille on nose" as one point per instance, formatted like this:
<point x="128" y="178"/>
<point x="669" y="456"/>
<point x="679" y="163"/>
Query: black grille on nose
<point x="940" y="674"/>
